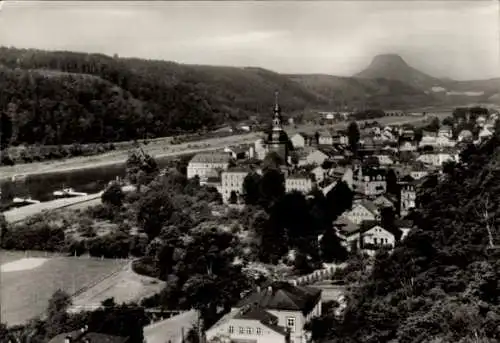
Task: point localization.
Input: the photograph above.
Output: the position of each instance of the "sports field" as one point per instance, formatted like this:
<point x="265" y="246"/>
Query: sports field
<point x="29" y="280"/>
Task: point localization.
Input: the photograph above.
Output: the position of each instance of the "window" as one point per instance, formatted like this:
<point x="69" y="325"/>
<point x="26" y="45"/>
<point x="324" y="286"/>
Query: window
<point x="249" y="330"/>
<point x="259" y="331"/>
<point x="290" y="323"/>
<point x="241" y="330"/>
<point x="231" y="329"/>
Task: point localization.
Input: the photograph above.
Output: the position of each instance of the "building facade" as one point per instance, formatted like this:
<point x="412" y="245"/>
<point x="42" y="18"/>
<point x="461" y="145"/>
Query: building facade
<point x="408" y="197"/>
<point x="232" y="181"/>
<point x="277" y="139"/>
<point x="300" y="183"/>
<point x="204" y="165"/>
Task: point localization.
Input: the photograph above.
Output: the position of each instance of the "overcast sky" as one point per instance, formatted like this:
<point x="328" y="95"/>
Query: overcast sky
<point x="446" y="39"/>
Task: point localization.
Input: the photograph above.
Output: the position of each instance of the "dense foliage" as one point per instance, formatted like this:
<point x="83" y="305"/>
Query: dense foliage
<point x="441" y="283"/>
<point x="126" y="320"/>
<point x="66" y="97"/>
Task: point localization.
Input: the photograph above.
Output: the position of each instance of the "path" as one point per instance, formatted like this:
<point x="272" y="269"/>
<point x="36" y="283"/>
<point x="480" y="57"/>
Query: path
<point x="171" y="328"/>
<point x="19" y="214"/>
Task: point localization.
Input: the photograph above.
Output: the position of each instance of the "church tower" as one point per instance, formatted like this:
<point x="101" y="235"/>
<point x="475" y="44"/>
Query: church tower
<point x="277" y="139"/>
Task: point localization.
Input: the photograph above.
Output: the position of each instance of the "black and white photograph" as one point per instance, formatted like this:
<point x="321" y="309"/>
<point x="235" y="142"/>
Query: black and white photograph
<point x="250" y="171"/>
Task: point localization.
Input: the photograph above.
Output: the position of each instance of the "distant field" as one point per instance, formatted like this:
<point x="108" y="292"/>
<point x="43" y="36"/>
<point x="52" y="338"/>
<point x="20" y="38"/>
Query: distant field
<point x="24" y="294"/>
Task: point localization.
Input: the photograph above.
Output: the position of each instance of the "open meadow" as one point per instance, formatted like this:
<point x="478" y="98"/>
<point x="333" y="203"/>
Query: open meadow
<point x="29" y="280"/>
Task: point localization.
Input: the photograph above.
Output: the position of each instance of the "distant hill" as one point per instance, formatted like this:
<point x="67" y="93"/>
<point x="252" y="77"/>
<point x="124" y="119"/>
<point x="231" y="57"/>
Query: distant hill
<point x="59" y="97"/>
<point x="394" y="67"/>
<point x="355" y="92"/>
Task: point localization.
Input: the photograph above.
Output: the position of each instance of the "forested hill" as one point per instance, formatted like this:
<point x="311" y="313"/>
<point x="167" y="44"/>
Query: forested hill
<point x="65" y="97"/>
<point x="442" y="283"/>
<point x="61" y="97"/>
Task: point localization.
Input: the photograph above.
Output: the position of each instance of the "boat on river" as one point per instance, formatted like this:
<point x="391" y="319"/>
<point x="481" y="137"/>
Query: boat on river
<point x="67" y="192"/>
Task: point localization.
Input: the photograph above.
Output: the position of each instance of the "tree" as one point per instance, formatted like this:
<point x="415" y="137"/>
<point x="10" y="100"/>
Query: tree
<point x="331" y="247"/>
<point x="339" y="199"/>
<point x="6" y="130"/>
<point x="272" y="161"/>
<point x="272" y="187"/>
<point x="57" y="316"/>
<point x="353" y="135"/>
<point x="433" y="125"/>
<point x="251" y="188"/>
<point x="155" y="209"/>
<point x="113" y="195"/>
<point x="392" y="182"/>
<point x="141" y="168"/>
<point x="418" y="134"/>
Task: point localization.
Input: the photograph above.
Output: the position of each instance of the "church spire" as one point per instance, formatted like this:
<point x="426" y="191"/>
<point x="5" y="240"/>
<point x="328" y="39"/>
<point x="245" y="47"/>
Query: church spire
<point x="277" y="113"/>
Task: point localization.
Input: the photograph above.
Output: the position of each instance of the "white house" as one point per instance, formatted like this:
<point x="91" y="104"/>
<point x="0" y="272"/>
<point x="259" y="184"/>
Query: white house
<point x="407" y="146"/>
<point x="232" y="181"/>
<point x="300" y="140"/>
<point x="369" y="182"/>
<point x="250" y="324"/>
<point x="384" y="160"/>
<point x="369" y="237"/>
<point x="204" y="164"/>
<point x="445" y="131"/>
<point x="436" y="159"/>
<point x="314" y="157"/>
<point x="298" y="182"/>
<point x="485" y="133"/>
<point x="319" y="173"/>
<point x="362" y="211"/>
<point x="268" y="314"/>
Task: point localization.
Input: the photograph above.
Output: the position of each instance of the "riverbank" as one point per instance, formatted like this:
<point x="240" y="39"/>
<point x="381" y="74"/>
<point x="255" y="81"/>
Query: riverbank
<point x="162" y="148"/>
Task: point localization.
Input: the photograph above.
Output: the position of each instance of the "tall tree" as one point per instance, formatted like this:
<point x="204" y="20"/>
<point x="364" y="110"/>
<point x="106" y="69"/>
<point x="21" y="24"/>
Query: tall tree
<point x="251" y="188"/>
<point x="353" y="135"/>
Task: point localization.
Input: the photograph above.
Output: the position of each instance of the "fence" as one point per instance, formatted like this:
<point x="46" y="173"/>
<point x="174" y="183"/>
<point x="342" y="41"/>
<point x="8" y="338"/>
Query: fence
<point x="316" y="276"/>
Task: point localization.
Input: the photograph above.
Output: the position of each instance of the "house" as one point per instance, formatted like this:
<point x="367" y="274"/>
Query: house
<point x="361" y="211"/>
<point x="340" y="137"/>
<point x="369" y="237"/>
<point x="369" y="181"/>
<point x="445" y="131"/>
<point x="203" y="164"/>
<point x="344" y="227"/>
<point x="232" y="181"/>
<point x="408" y="146"/>
<point x="383" y="201"/>
<point x="325" y="138"/>
<point x="85" y="336"/>
<point x="300" y="140"/>
<point x="384" y="160"/>
<point x="239" y="152"/>
<point x="485" y="133"/>
<point x="248" y="324"/>
<point x="260" y="149"/>
<point x="319" y="173"/>
<point x="418" y="172"/>
<point x="436" y="159"/>
<point x="276" y="310"/>
<point x="408" y="195"/>
<point x="299" y="182"/>
<point x="312" y="156"/>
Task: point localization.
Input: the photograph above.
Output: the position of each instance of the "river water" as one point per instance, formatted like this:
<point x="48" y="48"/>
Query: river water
<point x="40" y="187"/>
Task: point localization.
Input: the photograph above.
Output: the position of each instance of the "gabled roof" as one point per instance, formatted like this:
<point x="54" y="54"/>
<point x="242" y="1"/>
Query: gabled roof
<point x="369" y="205"/>
<point x="345" y="225"/>
<point x="284" y="296"/>
<point x="211" y="157"/>
<point x="255" y="312"/>
<point x="382" y="200"/>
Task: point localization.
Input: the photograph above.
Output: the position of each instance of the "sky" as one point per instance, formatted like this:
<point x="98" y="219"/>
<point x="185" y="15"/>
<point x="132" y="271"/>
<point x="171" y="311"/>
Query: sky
<point x="459" y="40"/>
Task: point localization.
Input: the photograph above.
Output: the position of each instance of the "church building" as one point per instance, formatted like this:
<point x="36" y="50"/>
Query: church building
<point x="277" y="139"/>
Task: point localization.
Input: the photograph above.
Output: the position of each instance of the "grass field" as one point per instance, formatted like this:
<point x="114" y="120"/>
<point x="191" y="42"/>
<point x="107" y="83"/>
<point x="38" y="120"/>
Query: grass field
<point x="24" y="294"/>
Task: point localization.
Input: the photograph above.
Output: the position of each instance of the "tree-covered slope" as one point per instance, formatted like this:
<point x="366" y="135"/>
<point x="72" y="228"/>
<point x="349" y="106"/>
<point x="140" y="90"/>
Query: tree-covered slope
<point x="378" y="92"/>
<point x="134" y="97"/>
<point x="442" y="283"/>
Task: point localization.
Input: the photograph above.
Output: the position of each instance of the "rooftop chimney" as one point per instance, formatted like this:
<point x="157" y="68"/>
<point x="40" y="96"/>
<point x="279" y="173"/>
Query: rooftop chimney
<point x="270" y="288"/>
<point x="67" y="339"/>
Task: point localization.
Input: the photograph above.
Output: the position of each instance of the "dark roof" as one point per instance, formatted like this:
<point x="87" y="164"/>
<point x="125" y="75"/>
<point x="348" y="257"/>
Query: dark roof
<point x="280" y="136"/>
<point x="284" y="296"/>
<point x="93" y="337"/>
<point x="403" y="223"/>
<point x="345" y="225"/>
<point x="255" y="312"/>
<point x="369" y="205"/>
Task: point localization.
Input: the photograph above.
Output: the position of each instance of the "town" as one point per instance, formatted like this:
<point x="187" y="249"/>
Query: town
<point x="249" y="172"/>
